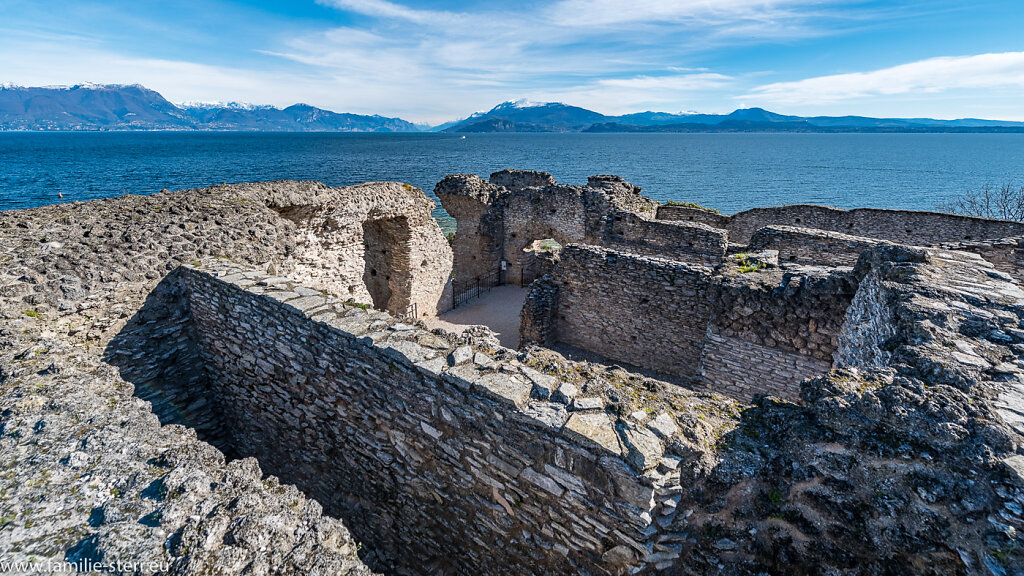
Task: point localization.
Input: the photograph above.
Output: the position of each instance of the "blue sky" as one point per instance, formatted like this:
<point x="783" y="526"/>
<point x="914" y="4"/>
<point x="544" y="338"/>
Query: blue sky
<point x="430" y="61"/>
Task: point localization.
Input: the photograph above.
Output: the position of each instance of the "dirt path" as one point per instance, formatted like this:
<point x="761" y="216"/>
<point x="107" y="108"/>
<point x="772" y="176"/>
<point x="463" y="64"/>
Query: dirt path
<point x="498" y="309"/>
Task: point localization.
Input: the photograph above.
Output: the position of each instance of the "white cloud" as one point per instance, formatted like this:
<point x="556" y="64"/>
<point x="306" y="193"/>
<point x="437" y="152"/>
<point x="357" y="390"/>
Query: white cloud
<point x="613" y="13"/>
<point x="931" y="76"/>
<point x="435" y="65"/>
<point x="626" y="95"/>
<point x="391" y="10"/>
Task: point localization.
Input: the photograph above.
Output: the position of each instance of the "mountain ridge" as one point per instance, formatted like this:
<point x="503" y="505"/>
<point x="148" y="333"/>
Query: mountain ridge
<point x="98" y="107"/>
<point x="558" y="117"/>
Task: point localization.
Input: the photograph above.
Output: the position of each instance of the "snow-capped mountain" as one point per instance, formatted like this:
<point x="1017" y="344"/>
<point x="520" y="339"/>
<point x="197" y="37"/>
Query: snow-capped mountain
<point x="202" y="105"/>
<point x="90" y="106"/>
<point x="527" y="116"/>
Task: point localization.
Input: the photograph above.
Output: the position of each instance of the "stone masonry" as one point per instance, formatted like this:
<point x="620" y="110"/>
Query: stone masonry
<point x="498" y="219"/>
<point x="709" y="325"/>
<point x="216" y="381"/>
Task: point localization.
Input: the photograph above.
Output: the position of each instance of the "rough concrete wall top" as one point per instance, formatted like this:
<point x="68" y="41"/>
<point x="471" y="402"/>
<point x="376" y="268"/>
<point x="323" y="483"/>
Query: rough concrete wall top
<point x="623" y="195"/>
<point x="86" y="266"/>
<point x="520" y="179"/>
<point x="89" y="475"/>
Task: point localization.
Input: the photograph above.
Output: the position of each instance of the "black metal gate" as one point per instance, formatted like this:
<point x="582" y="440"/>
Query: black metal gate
<point x="466" y="290"/>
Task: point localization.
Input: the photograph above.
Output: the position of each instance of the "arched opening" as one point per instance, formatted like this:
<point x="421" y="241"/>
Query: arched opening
<point x="387" y="270"/>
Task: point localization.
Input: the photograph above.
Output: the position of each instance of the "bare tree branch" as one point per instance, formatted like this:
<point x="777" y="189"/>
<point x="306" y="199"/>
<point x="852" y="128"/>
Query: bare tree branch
<point x="1004" y="203"/>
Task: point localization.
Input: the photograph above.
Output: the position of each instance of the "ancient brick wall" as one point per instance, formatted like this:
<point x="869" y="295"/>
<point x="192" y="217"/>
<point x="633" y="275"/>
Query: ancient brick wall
<point x="683" y="241"/>
<point x="743" y="369"/>
<point x="537" y="318"/>
<point x="769" y="331"/>
<point x="691" y="321"/>
<point x="643" y="311"/>
<point x="556" y="212"/>
<point x="691" y="214"/>
<point x="811" y="246"/>
<point x="438" y="457"/>
<point x="905" y="226"/>
<point x="497" y="220"/>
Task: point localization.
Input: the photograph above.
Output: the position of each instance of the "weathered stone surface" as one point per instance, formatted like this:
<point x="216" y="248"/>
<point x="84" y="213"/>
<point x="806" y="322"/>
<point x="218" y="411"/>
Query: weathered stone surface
<point x="597" y="428"/>
<point x="912" y="447"/>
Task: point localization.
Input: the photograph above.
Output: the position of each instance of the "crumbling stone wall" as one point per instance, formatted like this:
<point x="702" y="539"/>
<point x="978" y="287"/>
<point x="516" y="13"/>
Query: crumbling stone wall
<point x="375" y="243"/>
<point x="91" y="265"/>
<point x="771" y="330"/>
<point x="439" y="457"/>
<point x="1006" y="254"/>
<point x="531" y="214"/>
<point x="537" y="318"/>
<point x="496" y="220"/>
<point x="696" y="243"/>
<point x="915" y="447"/>
<point x="811" y="246"/>
<point x="742" y="334"/>
<point x="644" y="311"/>
<point x="904" y="226"/>
<point x="157" y="352"/>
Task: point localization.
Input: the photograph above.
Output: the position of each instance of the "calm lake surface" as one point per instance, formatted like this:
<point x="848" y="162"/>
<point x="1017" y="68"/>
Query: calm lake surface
<point x="730" y="172"/>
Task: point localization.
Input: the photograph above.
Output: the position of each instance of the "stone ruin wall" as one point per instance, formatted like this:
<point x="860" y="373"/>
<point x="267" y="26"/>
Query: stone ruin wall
<point x="531" y="214"/>
<point x="684" y="242"/>
<point x="438" y="457"/>
<point x="811" y="246"/>
<point x="903" y="226"/>
<point x="497" y="219"/>
<point x="643" y="311"/>
<point x="375" y="243"/>
<point x="1006" y="254"/>
<point x="768" y="334"/>
<point x="762" y="332"/>
<point x="923" y="449"/>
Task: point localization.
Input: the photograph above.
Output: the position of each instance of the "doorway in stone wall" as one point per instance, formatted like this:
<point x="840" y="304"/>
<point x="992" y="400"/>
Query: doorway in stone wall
<point x="499" y="307"/>
<point x="387" y="272"/>
<point x="536" y="260"/>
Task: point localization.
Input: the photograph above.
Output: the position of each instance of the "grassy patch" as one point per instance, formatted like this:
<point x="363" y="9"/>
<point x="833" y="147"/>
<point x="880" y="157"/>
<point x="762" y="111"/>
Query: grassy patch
<point x="691" y="205"/>
<point x="32" y="313"/>
<point x="748" y="264"/>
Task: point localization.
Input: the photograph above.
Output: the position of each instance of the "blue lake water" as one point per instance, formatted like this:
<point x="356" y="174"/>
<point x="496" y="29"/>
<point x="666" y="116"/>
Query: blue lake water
<point x="730" y="172"/>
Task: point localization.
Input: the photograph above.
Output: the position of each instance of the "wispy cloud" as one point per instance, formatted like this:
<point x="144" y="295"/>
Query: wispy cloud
<point x="603" y="13"/>
<point x="586" y="51"/>
<point x="429" y="62"/>
<point x="930" y="76"/>
<point x="625" y="95"/>
<point x="391" y="10"/>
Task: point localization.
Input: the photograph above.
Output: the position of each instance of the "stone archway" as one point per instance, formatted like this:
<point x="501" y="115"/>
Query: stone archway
<point x="387" y="271"/>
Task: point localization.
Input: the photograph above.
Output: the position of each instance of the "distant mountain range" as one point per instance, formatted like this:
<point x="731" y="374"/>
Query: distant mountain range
<point x="525" y="116"/>
<point x="134" y="107"/>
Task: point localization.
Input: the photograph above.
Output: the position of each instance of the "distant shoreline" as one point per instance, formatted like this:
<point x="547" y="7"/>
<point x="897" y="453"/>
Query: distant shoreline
<point x="640" y="130"/>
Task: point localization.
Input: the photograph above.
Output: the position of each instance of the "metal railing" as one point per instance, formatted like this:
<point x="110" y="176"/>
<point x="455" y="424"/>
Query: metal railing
<point x="465" y="291"/>
<point x="527" y="276"/>
<point x="410" y="313"/>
